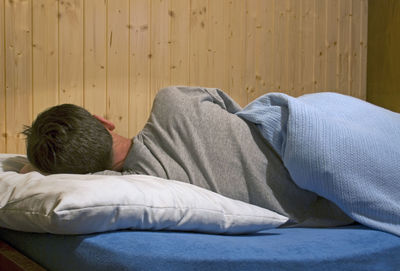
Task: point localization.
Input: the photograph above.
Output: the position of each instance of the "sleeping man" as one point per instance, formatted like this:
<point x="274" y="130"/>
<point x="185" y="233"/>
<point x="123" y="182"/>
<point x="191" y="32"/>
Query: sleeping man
<point x="193" y="135"/>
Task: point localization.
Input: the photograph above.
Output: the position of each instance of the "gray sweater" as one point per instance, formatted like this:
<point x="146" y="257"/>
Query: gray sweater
<point x="194" y="136"/>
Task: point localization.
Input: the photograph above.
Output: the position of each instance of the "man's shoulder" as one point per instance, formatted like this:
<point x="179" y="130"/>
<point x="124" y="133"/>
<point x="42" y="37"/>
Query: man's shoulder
<point x="177" y="98"/>
<point x="179" y="91"/>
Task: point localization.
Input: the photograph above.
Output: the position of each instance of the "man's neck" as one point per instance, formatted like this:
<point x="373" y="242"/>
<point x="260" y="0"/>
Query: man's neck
<point x="121" y="147"/>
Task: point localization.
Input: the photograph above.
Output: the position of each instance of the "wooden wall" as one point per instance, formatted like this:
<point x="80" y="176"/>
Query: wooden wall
<point x="112" y="56"/>
<point x="384" y="54"/>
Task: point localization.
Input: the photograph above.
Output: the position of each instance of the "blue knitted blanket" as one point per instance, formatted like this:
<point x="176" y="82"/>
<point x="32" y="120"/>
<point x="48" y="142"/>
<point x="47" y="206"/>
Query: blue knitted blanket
<point x="339" y="147"/>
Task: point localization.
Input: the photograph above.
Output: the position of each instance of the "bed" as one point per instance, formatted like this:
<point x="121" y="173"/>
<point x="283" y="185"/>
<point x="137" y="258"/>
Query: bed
<point x="352" y="247"/>
<point x="328" y="142"/>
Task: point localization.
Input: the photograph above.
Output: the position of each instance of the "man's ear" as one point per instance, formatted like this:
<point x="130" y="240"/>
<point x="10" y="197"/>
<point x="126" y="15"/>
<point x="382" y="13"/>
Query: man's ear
<point x="108" y="124"/>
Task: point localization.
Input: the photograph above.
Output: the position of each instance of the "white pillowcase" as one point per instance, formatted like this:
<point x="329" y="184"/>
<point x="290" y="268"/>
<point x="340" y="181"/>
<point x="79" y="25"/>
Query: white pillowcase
<point x="81" y="204"/>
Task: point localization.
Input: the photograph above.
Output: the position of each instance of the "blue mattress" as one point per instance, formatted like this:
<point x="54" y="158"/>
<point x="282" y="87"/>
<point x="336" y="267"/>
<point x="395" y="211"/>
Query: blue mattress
<point x="345" y="248"/>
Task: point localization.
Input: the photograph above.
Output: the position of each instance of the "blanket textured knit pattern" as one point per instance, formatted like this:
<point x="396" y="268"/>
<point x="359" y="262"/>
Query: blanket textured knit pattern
<point x="342" y="148"/>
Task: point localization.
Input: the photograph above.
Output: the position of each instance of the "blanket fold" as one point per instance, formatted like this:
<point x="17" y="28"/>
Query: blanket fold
<point x="339" y="147"/>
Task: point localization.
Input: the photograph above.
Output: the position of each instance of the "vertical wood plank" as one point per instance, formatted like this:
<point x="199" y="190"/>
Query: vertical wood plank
<point x="331" y="40"/>
<point x="19" y="72"/>
<point x="363" y="49"/>
<point x="319" y="66"/>
<point x="160" y="46"/>
<point x="236" y="48"/>
<point x="71" y="51"/>
<point x="140" y="95"/>
<point x="95" y="53"/>
<point x="344" y="46"/>
<point x="118" y="65"/>
<point x="355" y="70"/>
<point x="280" y="46"/>
<point x="216" y="45"/>
<point x="180" y="40"/>
<point x="251" y="49"/>
<point x="198" y="43"/>
<point x="306" y="47"/>
<point x="265" y="38"/>
<point x="227" y="33"/>
<point x="293" y="36"/>
<point x="2" y="82"/>
<point x="45" y="55"/>
<point x="384" y="54"/>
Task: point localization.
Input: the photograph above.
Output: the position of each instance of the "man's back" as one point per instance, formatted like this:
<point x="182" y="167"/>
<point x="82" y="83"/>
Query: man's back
<point x="193" y="136"/>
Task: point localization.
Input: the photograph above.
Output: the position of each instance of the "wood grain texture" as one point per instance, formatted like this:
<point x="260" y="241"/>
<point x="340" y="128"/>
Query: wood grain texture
<point x="362" y="92"/>
<point x="331" y="43"/>
<point x="343" y="64"/>
<point x="216" y="45"/>
<point x="180" y="39"/>
<point x="293" y="9"/>
<point x="45" y="54"/>
<point x="3" y="135"/>
<point x="384" y="54"/>
<point x="235" y="61"/>
<point x="355" y="69"/>
<point x="70" y="42"/>
<point x="307" y="41"/>
<point x="112" y="56"/>
<point x="280" y="46"/>
<point x="320" y="59"/>
<point x="118" y="65"/>
<point x="18" y="63"/>
<point x="160" y="72"/>
<point x="251" y="52"/>
<point x="198" y="65"/>
<point x="139" y="62"/>
<point x="264" y="49"/>
<point x="95" y="57"/>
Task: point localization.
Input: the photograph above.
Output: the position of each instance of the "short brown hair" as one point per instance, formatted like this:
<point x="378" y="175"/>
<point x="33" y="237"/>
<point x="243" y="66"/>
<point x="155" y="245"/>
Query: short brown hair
<point x="68" y="139"/>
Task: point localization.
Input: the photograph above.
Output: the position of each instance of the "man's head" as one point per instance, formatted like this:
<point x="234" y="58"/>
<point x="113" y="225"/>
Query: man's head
<point x="68" y="139"/>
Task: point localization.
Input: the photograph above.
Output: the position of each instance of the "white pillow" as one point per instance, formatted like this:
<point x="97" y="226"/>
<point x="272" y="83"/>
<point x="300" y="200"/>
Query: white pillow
<point x="81" y="204"/>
